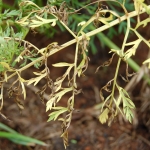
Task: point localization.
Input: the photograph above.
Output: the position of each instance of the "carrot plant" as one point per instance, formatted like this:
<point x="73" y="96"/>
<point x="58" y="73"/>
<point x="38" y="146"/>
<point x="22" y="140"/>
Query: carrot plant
<point x="17" y="54"/>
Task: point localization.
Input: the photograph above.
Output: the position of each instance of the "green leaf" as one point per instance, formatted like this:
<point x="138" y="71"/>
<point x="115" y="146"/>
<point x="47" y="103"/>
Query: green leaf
<point x="128" y="114"/>
<point x="128" y="105"/>
<point x="6" y="128"/>
<point x="54" y="115"/>
<point x="21" y="139"/>
<point x="17" y="138"/>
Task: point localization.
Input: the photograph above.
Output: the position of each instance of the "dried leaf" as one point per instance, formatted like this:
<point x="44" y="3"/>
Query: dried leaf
<point x="101" y="95"/>
<point x="106" y="63"/>
<point x="22" y="81"/>
<point x="106" y="89"/>
<point x="4" y="117"/>
<point x="83" y="65"/>
<point x="110" y="119"/>
<point x="19" y="104"/>
<point x="65" y="138"/>
<point x="124" y="79"/>
<point x="127" y="74"/>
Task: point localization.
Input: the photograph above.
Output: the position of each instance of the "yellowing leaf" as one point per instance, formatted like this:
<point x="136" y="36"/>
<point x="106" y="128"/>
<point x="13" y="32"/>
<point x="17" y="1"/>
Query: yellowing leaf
<point x="20" y="105"/>
<point x="62" y="64"/>
<point x="40" y="21"/>
<point x="40" y="75"/>
<point x="138" y="5"/>
<point x="147" y="61"/>
<point x="22" y="85"/>
<point x="55" y="98"/>
<point x="24" y="21"/>
<point x="5" y="65"/>
<point x="144" y="23"/>
<point x="130" y="52"/>
<point x="51" y="102"/>
<point x="27" y="2"/>
<point x="18" y="58"/>
<point x="81" y="23"/>
<point x="104" y="116"/>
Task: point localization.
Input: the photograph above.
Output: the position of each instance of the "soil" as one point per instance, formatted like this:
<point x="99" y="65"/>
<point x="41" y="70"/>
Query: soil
<point x="85" y="131"/>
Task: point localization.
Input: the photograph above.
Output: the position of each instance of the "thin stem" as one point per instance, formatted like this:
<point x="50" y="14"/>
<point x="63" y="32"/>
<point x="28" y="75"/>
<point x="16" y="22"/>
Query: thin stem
<point x="103" y="1"/>
<point x="68" y="29"/>
<point x="115" y="81"/>
<point x="17" y="39"/>
<point x="86" y="24"/>
<point x="126" y="35"/>
<point x="140" y="37"/>
<point x="75" y="64"/>
<point x="119" y="60"/>
<point x="1" y="97"/>
<point x="75" y="72"/>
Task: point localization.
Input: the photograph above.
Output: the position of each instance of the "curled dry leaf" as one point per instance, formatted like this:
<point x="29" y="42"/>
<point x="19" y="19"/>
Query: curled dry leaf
<point x="127" y="74"/>
<point x="19" y="103"/>
<point x="4" y="117"/>
<point x="106" y="63"/>
<point x="106" y="89"/>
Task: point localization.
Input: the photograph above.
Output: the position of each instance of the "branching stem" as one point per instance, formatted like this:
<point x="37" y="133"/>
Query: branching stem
<point x="119" y="60"/>
<point x="114" y="82"/>
<point x="89" y="34"/>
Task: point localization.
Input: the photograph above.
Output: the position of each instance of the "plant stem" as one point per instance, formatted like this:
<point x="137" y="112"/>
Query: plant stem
<point x="115" y="81"/>
<point x="68" y="29"/>
<point x="75" y="65"/>
<point x="132" y="14"/>
<point x="119" y="60"/>
<point x="126" y="35"/>
<point x="1" y="97"/>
